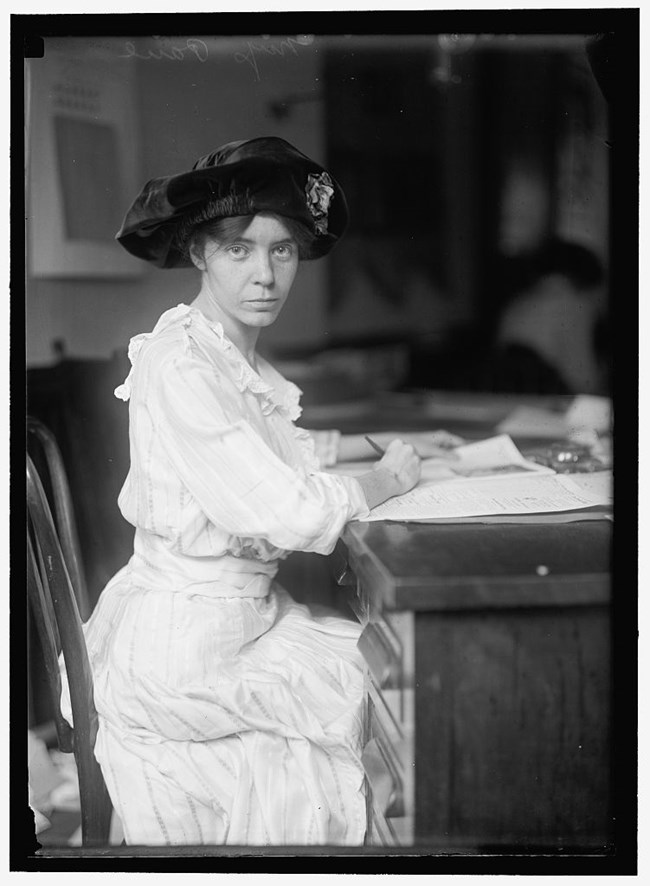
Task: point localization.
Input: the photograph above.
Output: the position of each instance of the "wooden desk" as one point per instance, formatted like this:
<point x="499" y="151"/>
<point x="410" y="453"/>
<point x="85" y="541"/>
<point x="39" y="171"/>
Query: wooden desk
<point x="488" y="652"/>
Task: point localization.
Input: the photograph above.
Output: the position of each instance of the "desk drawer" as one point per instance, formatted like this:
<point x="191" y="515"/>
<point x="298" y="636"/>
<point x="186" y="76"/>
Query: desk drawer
<point x="388" y="760"/>
<point x="387" y="643"/>
<point x="382" y="656"/>
<point x="387" y="646"/>
<point x="391" y="720"/>
<point x="390" y="831"/>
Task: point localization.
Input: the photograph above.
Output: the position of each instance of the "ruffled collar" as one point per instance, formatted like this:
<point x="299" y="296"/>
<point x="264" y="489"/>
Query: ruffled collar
<point x="272" y="389"/>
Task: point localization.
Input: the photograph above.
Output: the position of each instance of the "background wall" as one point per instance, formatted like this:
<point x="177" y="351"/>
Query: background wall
<point x="456" y="151"/>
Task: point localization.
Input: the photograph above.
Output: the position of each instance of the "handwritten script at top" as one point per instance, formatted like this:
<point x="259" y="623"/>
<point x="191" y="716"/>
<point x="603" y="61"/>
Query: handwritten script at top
<point x="270" y="48"/>
<point x="165" y="50"/>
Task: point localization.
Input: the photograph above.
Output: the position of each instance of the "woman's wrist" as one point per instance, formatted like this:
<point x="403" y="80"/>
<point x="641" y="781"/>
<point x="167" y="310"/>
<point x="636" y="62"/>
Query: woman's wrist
<point x="379" y="485"/>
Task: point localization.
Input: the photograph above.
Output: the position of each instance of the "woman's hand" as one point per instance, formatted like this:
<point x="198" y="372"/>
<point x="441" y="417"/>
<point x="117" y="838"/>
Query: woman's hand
<point x="403" y="463"/>
<point x="397" y="471"/>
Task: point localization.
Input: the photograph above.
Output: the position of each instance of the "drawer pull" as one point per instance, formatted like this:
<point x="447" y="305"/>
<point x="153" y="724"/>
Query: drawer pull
<point x="385" y="784"/>
<point x="379" y="656"/>
<point x="345" y="577"/>
<point x="340" y="566"/>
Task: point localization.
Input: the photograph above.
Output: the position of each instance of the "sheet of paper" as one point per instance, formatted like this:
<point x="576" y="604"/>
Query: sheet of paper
<point x="577" y="516"/>
<point x="494" y="457"/>
<point x="598" y="483"/>
<point x="585" y="413"/>
<point x="589" y="413"/>
<point x="535" y="493"/>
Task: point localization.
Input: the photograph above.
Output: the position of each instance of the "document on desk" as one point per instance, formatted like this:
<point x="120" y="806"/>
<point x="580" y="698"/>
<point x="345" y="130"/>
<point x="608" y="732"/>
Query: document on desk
<point x="488" y="478"/>
<point x="496" y="457"/>
<point x="533" y="494"/>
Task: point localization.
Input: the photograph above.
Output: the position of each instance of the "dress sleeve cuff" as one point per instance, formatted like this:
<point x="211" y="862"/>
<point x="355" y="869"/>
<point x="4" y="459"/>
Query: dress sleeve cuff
<point x="326" y="444"/>
<point x="358" y="504"/>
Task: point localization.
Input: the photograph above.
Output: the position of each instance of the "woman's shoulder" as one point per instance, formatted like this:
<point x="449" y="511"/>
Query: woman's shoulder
<point x="180" y="344"/>
<point x="177" y="344"/>
<point x="179" y="335"/>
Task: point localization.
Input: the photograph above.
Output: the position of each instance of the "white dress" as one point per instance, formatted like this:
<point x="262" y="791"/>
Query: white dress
<point x="228" y="713"/>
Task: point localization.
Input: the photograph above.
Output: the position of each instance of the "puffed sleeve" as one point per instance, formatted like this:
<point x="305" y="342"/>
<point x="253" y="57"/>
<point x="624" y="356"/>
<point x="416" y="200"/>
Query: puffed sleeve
<point x="238" y="481"/>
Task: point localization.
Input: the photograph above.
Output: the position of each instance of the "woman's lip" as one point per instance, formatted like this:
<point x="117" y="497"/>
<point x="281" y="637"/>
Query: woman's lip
<point x="262" y="301"/>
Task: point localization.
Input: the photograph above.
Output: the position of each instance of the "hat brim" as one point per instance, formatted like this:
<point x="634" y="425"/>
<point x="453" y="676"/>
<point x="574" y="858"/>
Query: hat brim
<point x="262" y="180"/>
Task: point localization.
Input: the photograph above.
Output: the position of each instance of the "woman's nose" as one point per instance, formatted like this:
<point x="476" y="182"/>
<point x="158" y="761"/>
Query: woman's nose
<point x="264" y="270"/>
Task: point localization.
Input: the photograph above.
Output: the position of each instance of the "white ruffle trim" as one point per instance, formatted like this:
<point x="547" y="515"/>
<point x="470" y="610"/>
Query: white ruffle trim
<point x="123" y="391"/>
<point x="283" y="395"/>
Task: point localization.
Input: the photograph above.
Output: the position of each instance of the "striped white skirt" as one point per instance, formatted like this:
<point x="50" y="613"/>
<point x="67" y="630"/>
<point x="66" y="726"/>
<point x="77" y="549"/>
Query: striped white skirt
<point x="227" y="720"/>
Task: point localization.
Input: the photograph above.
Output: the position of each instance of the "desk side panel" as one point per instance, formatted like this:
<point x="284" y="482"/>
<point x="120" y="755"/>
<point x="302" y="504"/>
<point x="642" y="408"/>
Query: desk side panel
<point x="512" y="727"/>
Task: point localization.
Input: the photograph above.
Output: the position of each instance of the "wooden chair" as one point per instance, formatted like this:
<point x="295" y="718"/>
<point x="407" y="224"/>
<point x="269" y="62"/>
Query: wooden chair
<point x="64" y="515"/>
<point x="55" y="610"/>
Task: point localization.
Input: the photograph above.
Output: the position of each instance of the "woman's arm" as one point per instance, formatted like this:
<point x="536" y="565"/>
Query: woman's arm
<point x="239" y="483"/>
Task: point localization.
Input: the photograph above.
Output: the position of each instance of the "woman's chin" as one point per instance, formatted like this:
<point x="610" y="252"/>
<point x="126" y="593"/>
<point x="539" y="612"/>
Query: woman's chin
<point x="262" y="317"/>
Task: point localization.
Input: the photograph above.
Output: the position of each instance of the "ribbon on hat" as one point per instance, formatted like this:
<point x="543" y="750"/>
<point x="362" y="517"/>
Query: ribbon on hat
<point x="319" y="191"/>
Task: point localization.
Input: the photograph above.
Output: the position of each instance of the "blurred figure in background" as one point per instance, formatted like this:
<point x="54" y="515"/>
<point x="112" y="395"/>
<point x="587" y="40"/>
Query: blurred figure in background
<point x="549" y="336"/>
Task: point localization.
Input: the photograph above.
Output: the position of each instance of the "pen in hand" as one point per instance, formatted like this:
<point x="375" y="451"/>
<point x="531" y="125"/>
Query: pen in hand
<point x="375" y="446"/>
<point x="441" y="446"/>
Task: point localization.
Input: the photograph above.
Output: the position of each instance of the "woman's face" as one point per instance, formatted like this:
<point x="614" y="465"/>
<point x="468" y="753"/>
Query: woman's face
<point x="248" y="279"/>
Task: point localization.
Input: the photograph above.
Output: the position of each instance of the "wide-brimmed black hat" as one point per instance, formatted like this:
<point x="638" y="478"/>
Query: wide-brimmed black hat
<point x="241" y="178"/>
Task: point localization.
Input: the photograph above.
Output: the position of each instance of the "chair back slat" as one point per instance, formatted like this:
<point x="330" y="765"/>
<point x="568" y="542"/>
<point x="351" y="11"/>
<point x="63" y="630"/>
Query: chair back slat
<point x="55" y="582"/>
<point x="44" y="598"/>
<point x="43" y="614"/>
<point x="64" y="512"/>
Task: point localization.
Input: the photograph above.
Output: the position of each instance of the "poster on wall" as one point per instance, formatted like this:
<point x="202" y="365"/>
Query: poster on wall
<point x="82" y="163"/>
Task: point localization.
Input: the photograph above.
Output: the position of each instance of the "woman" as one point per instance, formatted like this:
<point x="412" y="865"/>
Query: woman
<point x="227" y="712"/>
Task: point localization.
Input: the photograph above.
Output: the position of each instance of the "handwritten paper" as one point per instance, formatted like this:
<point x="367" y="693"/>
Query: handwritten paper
<point x="535" y="493"/>
<point x="598" y="483"/>
<point x="580" y="515"/>
<point x="489" y="478"/>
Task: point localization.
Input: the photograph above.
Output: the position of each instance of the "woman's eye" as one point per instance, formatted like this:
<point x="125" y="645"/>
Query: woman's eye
<point x="285" y="250"/>
<point x="237" y="251"/>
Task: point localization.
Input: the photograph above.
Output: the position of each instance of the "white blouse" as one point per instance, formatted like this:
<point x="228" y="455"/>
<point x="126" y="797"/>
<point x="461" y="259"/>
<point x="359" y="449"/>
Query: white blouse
<point x="222" y="483"/>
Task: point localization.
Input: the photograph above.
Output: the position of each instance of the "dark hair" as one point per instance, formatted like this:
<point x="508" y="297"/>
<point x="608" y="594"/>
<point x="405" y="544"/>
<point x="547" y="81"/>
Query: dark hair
<point x="576" y="262"/>
<point x="555" y="256"/>
<point x="195" y="232"/>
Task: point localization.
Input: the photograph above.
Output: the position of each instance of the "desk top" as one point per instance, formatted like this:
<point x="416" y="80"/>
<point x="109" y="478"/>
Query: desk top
<point x="462" y="566"/>
<point x="459" y="566"/>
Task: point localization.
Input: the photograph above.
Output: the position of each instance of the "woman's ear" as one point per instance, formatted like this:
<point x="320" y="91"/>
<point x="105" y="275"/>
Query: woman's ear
<point x="197" y="258"/>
